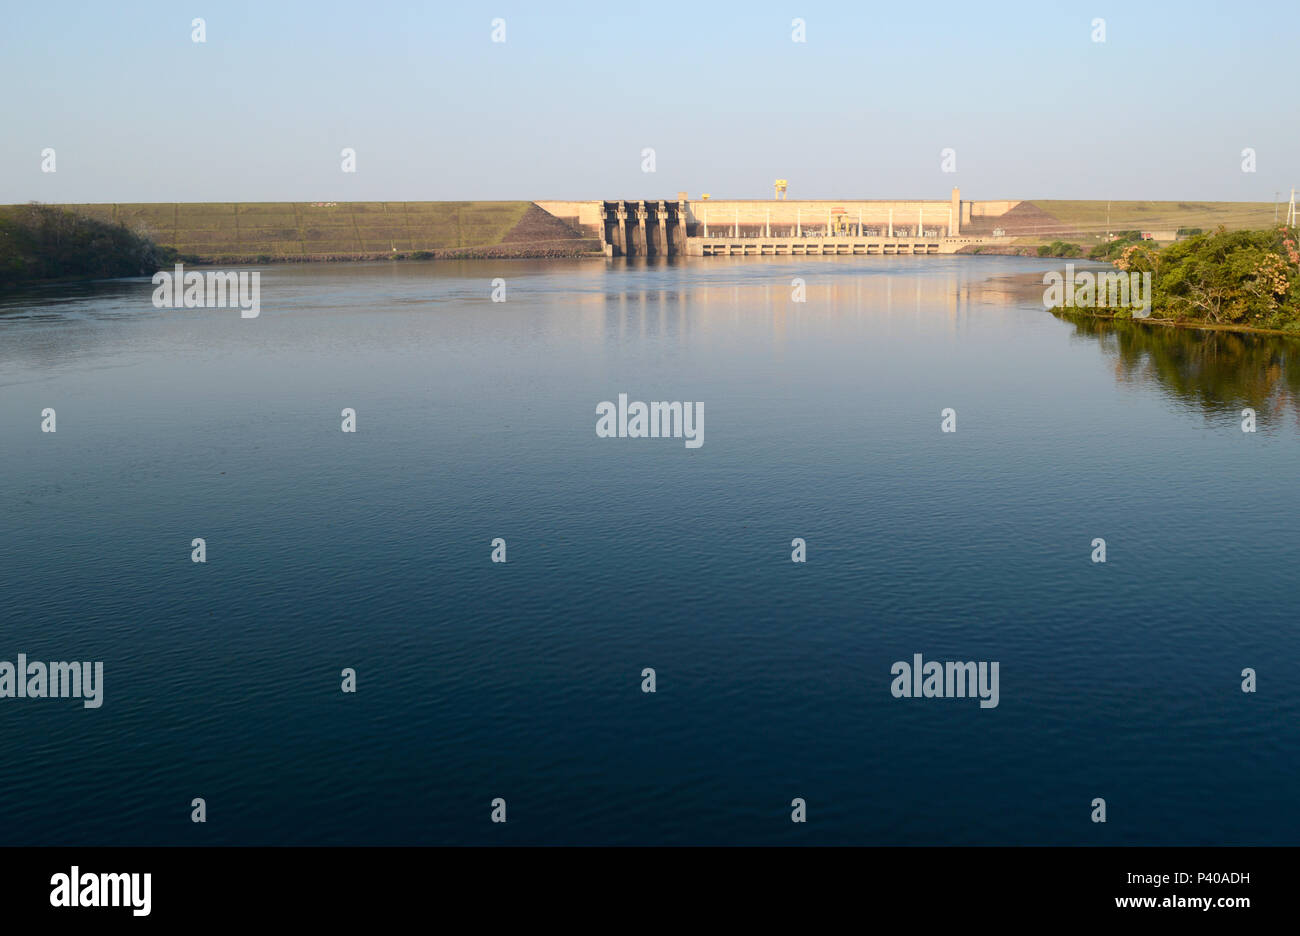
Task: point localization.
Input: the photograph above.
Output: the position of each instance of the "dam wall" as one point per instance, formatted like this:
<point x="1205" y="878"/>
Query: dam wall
<point x="582" y="215"/>
<point x="822" y="245"/>
<point x="663" y="227"/>
<point x="755" y="218"/>
<point x="990" y="209"/>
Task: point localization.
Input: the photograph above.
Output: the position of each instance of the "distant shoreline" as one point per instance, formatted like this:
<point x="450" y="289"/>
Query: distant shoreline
<point x="315" y="232"/>
<point x="561" y="250"/>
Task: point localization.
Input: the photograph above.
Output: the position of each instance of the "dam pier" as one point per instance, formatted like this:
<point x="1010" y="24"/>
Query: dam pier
<point x="710" y="228"/>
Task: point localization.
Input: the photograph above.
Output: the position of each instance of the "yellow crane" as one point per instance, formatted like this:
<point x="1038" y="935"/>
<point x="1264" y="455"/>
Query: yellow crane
<point x="779" y="187"/>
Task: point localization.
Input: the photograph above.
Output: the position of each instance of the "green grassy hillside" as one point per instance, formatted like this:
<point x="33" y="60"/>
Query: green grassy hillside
<point x="1089" y="217"/>
<point x="282" y="230"/>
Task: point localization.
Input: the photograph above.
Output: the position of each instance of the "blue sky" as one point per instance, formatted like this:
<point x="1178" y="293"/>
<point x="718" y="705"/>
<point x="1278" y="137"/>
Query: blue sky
<point x="563" y="108"/>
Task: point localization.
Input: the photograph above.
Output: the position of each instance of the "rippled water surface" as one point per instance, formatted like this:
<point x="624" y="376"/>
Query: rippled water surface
<point x="521" y="680"/>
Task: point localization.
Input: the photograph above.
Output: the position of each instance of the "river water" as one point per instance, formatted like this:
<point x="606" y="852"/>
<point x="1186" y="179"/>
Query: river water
<point x="476" y="420"/>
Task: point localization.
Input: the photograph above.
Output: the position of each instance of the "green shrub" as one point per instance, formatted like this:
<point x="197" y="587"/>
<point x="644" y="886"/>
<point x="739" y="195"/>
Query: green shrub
<point x="40" y="242"/>
<point x="1060" y="248"/>
<point x="1243" y="278"/>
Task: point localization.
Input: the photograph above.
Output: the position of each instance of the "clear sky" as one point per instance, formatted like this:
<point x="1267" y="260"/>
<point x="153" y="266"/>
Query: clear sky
<point x="137" y="111"/>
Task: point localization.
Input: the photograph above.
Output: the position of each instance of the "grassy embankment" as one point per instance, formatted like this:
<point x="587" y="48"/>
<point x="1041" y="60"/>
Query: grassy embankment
<point x="261" y="232"/>
<point x="1086" y="223"/>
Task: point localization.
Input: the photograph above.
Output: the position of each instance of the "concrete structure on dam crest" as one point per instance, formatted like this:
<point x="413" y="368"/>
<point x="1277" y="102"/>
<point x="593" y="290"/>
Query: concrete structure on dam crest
<point x="698" y="227"/>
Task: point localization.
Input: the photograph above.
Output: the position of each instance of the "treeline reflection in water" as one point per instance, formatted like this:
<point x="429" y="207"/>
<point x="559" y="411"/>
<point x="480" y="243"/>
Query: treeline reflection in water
<point x="1214" y="371"/>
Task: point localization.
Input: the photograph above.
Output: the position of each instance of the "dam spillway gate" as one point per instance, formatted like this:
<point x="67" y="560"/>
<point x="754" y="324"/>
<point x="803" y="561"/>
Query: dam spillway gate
<point x="643" y="228"/>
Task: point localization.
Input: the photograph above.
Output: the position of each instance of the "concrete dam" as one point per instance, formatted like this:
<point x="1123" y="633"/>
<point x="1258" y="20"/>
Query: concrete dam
<point x="704" y="228"/>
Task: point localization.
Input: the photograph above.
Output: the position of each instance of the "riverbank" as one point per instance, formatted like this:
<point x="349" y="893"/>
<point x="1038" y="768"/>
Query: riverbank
<point x="1008" y="250"/>
<point x="1244" y="281"/>
<point x="555" y="250"/>
<point x="1070" y="315"/>
<point x="1029" y="287"/>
